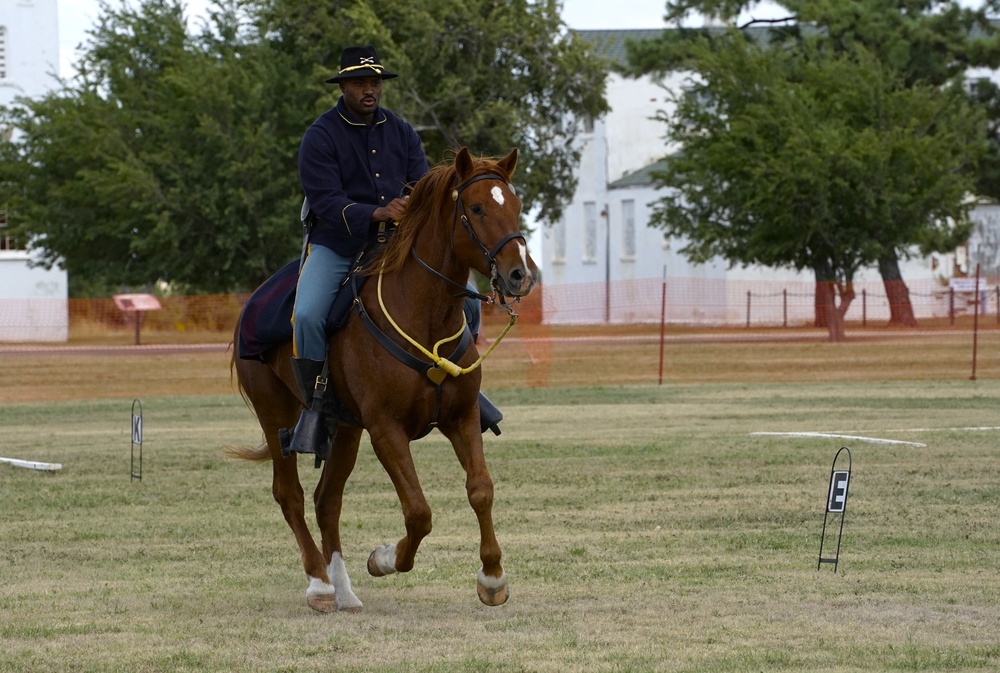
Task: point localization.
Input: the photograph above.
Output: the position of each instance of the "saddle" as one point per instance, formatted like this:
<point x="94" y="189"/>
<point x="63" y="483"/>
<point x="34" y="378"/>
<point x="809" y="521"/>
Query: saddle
<point x="266" y="320"/>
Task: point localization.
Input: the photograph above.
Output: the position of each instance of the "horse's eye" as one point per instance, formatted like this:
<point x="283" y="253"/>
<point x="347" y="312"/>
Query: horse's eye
<point x="477" y="210"/>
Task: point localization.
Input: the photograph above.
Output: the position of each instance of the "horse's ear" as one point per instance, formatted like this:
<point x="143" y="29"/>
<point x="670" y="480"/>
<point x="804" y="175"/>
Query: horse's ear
<point x="509" y="162"/>
<point x="463" y="164"/>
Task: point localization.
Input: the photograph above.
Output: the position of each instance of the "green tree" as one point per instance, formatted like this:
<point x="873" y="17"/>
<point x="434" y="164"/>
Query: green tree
<point x="925" y="42"/>
<point x="172" y="157"/>
<point x="478" y="73"/>
<point x="809" y="160"/>
<point x="167" y="158"/>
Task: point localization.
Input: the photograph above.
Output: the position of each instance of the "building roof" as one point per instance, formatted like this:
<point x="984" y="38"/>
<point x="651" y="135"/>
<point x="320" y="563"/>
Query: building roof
<point x="640" y="178"/>
<point x="610" y="44"/>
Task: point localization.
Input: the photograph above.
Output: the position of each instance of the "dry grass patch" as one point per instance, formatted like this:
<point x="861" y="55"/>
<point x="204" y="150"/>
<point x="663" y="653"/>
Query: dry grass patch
<point x="643" y="528"/>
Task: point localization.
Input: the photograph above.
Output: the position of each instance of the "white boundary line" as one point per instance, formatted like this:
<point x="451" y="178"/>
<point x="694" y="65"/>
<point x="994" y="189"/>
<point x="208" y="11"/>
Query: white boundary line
<point x="984" y="428"/>
<point x="870" y="440"/>
<point x="32" y="465"/>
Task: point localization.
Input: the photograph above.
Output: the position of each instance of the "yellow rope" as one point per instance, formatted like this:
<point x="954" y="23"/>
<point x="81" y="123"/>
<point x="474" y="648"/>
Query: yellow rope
<point x="444" y="363"/>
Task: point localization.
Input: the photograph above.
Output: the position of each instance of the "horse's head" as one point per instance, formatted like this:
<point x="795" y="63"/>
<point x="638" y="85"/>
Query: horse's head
<point x="490" y="213"/>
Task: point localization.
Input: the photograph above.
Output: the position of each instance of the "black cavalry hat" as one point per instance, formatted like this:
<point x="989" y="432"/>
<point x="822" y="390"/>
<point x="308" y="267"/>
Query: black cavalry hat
<point x="358" y="62"/>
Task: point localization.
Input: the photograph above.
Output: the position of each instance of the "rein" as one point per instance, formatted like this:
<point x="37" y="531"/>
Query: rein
<point x="442" y="363"/>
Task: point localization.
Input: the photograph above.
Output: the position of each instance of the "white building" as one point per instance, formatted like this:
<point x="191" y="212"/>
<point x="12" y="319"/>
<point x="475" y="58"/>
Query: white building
<point x="29" y="48"/>
<point x="603" y="262"/>
<point x="33" y="300"/>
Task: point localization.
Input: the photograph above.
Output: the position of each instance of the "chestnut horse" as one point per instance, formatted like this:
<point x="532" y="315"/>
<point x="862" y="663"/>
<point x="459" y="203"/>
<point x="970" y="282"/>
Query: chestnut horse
<point x="461" y="216"/>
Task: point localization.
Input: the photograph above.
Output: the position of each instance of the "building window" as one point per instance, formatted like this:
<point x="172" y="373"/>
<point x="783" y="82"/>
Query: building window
<point x="559" y="240"/>
<point x="589" y="231"/>
<point x="3" y="52"/>
<point x="628" y="229"/>
<point x="6" y="242"/>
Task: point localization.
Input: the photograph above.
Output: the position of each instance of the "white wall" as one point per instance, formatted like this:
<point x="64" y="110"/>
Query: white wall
<point x="31" y="48"/>
<point x="33" y="301"/>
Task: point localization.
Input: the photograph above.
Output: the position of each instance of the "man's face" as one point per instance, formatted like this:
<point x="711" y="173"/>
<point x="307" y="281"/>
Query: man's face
<point x="362" y="95"/>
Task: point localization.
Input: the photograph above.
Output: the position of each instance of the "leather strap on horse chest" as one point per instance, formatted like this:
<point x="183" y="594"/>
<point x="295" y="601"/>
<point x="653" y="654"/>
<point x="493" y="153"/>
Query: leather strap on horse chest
<point x="429" y="369"/>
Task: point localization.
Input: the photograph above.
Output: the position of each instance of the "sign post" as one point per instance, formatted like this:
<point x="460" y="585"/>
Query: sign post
<point x="836" y="503"/>
<point x="136" y="440"/>
<point x="135" y="305"/>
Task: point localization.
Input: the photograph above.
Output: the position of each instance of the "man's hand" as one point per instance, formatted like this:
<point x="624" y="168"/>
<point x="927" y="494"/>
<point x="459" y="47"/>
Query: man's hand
<point x="391" y="212"/>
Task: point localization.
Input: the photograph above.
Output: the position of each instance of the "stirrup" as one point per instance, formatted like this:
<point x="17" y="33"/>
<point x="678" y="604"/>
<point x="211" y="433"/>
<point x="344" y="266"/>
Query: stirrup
<point x="489" y="415"/>
<point x="309" y="435"/>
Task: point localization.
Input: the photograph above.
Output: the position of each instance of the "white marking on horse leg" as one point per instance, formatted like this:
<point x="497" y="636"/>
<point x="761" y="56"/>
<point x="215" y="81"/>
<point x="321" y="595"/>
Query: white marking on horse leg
<point x="497" y="195"/>
<point x="346" y="600"/>
<point x="385" y="558"/>
<point x="492" y="583"/>
<point x="318" y="587"/>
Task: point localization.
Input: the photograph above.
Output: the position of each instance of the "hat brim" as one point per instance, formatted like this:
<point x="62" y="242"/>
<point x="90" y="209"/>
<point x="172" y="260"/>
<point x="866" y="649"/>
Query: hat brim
<point x="361" y="74"/>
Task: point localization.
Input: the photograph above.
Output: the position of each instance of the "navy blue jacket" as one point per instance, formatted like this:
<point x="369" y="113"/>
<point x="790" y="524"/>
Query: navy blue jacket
<point x="347" y="169"/>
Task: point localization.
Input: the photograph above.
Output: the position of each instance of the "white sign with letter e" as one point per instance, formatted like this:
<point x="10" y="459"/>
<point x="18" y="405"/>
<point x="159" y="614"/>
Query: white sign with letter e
<point x="837" y="501"/>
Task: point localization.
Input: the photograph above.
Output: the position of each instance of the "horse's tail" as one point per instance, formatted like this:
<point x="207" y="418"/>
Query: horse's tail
<point x="244" y="452"/>
<point x="234" y="379"/>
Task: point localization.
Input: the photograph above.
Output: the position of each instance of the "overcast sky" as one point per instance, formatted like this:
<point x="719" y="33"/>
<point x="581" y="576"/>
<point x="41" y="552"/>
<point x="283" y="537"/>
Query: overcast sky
<point x="77" y="16"/>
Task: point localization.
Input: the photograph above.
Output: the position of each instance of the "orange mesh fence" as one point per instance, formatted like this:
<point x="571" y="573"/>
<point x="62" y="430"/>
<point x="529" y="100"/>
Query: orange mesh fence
<point x="625" y="332"/>
<point x="691" y="302"/>
<point x="181" y="318"/>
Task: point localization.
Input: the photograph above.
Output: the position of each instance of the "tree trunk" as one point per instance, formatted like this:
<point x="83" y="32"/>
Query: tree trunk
<point x="828" y="313"/>
<point x="900" y="308"/>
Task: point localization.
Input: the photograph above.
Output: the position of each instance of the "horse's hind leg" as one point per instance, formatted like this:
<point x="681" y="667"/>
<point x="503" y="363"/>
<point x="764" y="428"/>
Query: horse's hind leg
<point x="491" y="584"/>
<point x="329" y="500"/>
<point x="320" y="595"/>
<point x="277" y="407"/>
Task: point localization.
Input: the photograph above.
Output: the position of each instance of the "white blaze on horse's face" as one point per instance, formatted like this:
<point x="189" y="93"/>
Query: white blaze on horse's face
<point x="524" y="253"/>
<point x="497" y="195"/>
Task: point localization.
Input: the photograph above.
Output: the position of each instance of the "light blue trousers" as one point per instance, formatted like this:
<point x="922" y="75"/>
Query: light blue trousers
<point x="319" y="282"/>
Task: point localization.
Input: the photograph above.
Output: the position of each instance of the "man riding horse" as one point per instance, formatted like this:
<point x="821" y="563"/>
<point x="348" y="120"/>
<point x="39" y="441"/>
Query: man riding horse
<point x="356" y="162"/>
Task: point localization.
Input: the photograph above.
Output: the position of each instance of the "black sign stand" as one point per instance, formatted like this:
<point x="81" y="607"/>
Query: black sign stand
<point x="136" y="439"/>
<point x="836" y="503"/>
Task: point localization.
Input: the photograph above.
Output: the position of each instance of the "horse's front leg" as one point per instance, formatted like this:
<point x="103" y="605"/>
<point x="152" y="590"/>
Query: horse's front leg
<point x="467" y="440"/>
<point x="329" y="500"/>
<point x="392" y="448"/>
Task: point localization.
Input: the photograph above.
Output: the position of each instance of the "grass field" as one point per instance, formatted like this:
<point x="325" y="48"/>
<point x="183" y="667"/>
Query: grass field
<point x="644" y="528"/>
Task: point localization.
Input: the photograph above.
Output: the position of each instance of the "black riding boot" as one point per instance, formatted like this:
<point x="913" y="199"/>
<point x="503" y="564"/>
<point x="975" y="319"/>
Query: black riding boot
<point x="310" y="434"/>
<point x="489" y="415"/>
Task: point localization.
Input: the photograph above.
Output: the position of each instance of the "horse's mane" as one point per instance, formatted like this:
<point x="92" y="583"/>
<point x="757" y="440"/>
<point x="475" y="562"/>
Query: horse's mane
<point x="426" y="204"/>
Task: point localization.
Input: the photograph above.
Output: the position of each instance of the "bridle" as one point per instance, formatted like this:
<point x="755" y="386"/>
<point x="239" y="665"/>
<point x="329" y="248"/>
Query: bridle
<point x="456" y="196"/>
<point x="459" y="212"/>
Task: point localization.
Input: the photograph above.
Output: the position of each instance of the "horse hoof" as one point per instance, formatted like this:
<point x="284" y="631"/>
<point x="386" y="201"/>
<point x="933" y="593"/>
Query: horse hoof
<point x="373" y="568"/>
<point x="386" y="553"/>
<point x="325" y="603"/>
<point x="495" y="596"/>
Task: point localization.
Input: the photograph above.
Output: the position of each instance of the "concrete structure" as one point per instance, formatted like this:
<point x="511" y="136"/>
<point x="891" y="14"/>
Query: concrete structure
<point x="33" y="300"/>
<point x="603" y="262"/>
